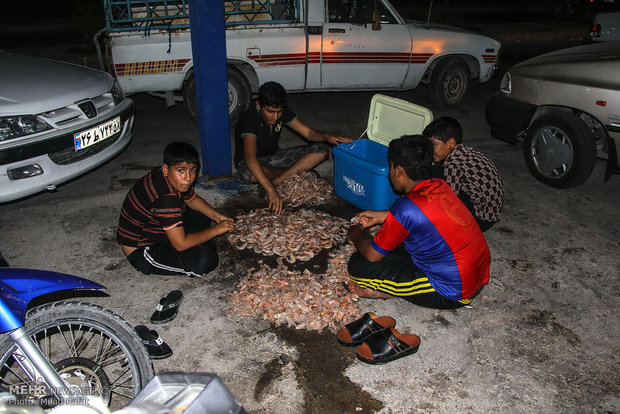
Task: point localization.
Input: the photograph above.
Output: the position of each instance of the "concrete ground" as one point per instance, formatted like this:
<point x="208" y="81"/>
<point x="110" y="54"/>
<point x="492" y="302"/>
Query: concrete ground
<point x="542" y="337"/>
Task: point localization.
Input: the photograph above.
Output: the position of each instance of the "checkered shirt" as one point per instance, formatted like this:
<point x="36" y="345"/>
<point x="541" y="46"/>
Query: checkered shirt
<point x="469" y="171"/>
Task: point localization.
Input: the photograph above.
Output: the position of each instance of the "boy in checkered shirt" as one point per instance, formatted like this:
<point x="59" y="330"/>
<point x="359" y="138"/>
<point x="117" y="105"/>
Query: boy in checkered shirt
<point x="471" y="174"/>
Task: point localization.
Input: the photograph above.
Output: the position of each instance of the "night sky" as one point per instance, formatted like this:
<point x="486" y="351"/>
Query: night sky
<point x="54" y="21"/>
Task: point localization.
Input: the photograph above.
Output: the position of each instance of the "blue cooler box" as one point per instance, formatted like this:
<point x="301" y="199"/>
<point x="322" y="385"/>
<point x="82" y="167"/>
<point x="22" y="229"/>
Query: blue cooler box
<point x="361" y="167"/>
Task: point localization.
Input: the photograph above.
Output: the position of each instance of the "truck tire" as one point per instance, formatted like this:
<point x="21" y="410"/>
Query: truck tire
<point x="449" y="83"/>
<point x="560" y="150"/>
<point x="239" y="95"/>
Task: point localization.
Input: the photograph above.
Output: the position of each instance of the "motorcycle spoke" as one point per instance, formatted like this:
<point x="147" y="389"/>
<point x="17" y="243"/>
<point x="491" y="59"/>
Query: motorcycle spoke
<point x="79" y="339"/>
<point x="105" y="351"/>
<point x="126" y="384"/>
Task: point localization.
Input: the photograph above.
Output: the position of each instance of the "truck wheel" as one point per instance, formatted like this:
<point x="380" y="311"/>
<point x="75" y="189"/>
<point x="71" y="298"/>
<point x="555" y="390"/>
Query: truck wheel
<point x="448" y="83"/>
<point x="239" y="95"/>
<point x="560" y="150"/>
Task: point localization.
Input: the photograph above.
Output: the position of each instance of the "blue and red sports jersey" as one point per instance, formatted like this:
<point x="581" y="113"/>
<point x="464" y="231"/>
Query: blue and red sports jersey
<point x="441" y="236"/>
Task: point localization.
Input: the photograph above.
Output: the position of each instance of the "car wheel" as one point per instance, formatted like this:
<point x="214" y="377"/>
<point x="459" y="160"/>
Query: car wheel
<point x="449" y="83"/>
<point x="239" y="95"/>
<point x="560" y="150"/>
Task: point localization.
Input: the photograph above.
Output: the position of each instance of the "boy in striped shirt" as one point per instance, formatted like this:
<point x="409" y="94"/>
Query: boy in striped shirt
<point x="164" y="226"/>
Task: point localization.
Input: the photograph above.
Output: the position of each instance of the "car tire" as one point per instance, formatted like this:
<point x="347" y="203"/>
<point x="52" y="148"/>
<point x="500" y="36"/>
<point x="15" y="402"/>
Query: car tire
<point x="449" y="83"/>
<point x="560" y="150"/>
<point x="239" y="95"/>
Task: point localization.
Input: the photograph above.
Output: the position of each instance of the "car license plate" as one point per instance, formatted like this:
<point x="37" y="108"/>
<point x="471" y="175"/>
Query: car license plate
<point x="97" y="134"/>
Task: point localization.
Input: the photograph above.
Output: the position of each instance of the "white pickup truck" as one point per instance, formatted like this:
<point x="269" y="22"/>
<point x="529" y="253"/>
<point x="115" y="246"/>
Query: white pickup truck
<point x="312" y="45"/>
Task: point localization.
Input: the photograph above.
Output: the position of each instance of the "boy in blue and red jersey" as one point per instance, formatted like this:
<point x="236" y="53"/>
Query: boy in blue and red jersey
<point x="447" y="258"/>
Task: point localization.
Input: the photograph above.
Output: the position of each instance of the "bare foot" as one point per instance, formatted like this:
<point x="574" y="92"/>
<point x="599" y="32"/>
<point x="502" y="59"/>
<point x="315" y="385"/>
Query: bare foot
<point x="367" y="293"/>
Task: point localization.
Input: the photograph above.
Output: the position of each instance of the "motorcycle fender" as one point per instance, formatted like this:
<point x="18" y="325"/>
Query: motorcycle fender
<point x="19" y="286"/>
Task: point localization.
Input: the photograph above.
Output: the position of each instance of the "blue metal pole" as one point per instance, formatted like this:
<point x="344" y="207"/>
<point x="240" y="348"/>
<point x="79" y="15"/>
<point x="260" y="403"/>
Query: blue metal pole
<point x="209" y="56"/>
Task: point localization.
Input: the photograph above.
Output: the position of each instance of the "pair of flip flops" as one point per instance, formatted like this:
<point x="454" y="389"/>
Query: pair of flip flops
<point x="375" y="339"/>
<point x="167" y="308"/>
<point x="154" y="344"/>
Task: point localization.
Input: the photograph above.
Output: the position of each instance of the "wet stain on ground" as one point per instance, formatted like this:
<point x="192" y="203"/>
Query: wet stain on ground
<point x="320" y="372"/>
<point x="440" y="320"/>
<point x="272" y="371"/>
<point x="573" y="250"/>
<point x="504" y="230"/>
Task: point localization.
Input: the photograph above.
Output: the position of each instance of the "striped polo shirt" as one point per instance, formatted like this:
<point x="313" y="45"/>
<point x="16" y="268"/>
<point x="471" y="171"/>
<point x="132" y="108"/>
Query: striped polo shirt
<point x="151" y="207"/>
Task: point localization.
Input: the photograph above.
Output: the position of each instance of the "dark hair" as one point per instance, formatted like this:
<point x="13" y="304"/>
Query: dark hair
<point x="179" y="152"/>
<point x="444" y="128"/>
<point x="272" y="94"/>
<point x="414" y="153"/>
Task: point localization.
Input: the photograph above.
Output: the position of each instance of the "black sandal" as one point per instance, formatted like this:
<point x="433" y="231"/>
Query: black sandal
<point x="167" y="308"/>
<point x="356" y="332"/>
<point x="155" y="346"/>
<point x="386" y="346"/>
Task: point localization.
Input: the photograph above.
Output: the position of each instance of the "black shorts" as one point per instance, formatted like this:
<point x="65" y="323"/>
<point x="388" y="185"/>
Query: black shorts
<point x="396" y="275"/>
<point x="163" y="259"/>
<point x="282" y="158"/>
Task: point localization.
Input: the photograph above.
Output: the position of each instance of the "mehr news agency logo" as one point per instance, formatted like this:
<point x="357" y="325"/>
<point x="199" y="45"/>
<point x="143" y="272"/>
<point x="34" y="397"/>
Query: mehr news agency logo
<point x="40" y="394"/>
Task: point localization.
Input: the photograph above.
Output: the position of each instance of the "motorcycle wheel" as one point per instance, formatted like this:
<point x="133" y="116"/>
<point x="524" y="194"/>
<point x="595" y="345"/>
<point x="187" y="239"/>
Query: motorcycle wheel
<point x="90" y="347"/>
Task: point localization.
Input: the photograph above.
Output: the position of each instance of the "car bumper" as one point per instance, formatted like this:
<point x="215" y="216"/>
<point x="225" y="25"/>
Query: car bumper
<point x="507" y="118"/>
<point x="56" y="158"/>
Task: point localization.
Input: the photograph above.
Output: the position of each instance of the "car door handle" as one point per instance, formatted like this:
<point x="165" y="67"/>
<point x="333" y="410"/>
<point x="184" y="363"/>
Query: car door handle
<point x="336" y="30"/>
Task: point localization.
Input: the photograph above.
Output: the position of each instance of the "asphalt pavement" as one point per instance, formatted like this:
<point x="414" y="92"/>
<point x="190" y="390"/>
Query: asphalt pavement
<point x="542" y="337"/>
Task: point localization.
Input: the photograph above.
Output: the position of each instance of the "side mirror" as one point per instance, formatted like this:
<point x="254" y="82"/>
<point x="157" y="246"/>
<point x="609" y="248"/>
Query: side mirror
<point x="376" y="20"/>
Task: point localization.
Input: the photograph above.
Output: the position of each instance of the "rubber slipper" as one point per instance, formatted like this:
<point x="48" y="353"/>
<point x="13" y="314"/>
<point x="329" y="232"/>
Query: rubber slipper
<point x="386" y="346"/>
<point x="155" y="346"/>
<point x="167" y="308"/>
<point x="356" y="332"/>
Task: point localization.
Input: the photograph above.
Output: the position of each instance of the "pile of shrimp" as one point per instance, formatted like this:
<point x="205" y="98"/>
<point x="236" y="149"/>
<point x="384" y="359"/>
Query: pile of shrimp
<point x="299" y="299"/>
<point x="292" y="235"/>
<point x="304" y="188"/>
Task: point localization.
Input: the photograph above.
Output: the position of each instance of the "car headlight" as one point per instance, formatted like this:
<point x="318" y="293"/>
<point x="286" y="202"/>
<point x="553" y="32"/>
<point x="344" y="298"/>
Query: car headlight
<point x="117" y="93"/>
<point x="19" y="126"/>
<point x="506" y="85"/>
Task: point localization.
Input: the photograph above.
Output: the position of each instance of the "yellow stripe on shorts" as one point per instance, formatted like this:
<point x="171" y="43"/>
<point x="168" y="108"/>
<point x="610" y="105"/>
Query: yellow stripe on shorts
<point x="414" y="287"/>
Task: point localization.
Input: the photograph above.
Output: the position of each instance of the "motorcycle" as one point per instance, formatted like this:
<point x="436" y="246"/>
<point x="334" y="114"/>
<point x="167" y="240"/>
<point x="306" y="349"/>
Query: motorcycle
<point x="59" y="351"/>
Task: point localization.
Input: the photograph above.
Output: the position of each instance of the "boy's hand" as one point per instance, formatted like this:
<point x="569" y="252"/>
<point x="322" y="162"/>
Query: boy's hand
<point x="224" y="226"/>
<point x="275" y="201"/>
<point x="220" y="217"/>
<point x="335" y="139"/>
<point x="370" y="218"/>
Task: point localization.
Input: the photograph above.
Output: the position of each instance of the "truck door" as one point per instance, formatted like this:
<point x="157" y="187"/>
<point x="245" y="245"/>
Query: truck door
<point x="354" y="55"/>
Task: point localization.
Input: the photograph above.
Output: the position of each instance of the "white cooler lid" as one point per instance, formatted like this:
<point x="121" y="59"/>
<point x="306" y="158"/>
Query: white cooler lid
<point x="390" y="118"/>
